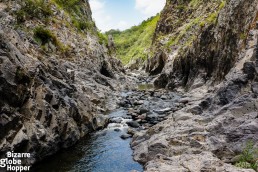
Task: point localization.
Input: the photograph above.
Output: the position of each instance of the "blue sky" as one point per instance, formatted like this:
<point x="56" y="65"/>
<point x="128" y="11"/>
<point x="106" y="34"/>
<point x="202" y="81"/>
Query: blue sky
<point x="122" y="14"/>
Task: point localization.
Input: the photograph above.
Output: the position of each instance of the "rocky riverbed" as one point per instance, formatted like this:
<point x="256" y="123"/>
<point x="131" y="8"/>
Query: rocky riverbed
<point x="136" y="110"/>
<point x="205" y="129"/>
<point x="194" y="110"/>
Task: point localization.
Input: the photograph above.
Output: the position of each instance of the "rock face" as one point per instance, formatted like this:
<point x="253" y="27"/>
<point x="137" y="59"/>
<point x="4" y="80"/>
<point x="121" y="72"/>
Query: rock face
<point x="216" y="123"/>
<point x="208" y="133"/>
<point x="51" y="96"/>
<point x="211" y="35"/>
<point x="156" y="64"/>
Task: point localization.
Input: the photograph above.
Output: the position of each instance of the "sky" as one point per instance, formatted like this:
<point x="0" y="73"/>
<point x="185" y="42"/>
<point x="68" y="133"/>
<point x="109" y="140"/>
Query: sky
<point x="123" y="14"/>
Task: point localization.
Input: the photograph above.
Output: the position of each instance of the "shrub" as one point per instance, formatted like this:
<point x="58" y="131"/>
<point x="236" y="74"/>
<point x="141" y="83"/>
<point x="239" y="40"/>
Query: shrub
<point x="33" y="9"/>
<point x="248" y="158"/>
<point x="181" y="7"/>
<point x="44" y="36"/>
<point x="212" y="17"/>
<point x="222" y="4"/>
<point x="102" y="38"/>
<point x="82" y="24"/>
<point x="68" y="4"/>
<point x="73" y="7"/>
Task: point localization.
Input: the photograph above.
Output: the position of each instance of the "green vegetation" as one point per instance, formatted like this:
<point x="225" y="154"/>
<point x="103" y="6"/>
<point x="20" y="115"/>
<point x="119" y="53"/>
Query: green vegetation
<point x="212" y="17"/>
<point x="135" y="42"/>
<point x="222" y="4"/>
<point x="33" y="9"/>
<point x="75" y="10"/>
<point x="249" y="157"/>
<point x="71" y="6"/>
<point x="41" y="9"/>
<point x="103" y="39"/>
<point x="82" y="24"/>
<point x="44" y="36"/>
<point x="194" y="3"/>
<point x="175" y="40"/>
<point x="185" y="35"/>
<point x="181" y="7"/>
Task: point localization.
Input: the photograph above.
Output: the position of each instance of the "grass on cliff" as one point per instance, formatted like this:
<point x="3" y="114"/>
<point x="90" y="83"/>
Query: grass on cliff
<point x="103" y="38"/>
<point x="44" y="36"/>
<point x="134" y="43"/>
<point x="40" y="9"/>
<point x="249" y="157"/>
<point x="75" y="10"/>
<point x="186" y="34"/>
<point x="33" y="9"/>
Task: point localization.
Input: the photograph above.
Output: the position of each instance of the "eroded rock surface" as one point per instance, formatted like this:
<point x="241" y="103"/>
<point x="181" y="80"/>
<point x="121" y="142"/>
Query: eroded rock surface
<point x="49" y="99"/>
<point x="219" y="113"/>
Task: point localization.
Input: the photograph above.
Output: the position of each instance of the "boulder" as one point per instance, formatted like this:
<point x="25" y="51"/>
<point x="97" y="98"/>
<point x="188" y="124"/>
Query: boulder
<point x="133" y="124"/>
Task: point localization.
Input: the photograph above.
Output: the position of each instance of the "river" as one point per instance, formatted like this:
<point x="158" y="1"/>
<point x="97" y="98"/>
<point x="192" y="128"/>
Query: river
<point x="102" y="151"/>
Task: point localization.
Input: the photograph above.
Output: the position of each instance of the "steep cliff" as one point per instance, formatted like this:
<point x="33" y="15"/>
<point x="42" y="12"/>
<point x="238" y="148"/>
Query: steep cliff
<point x="209" y="50"/>
<point x="202" y="39"/>
<point x="55" y="77"/>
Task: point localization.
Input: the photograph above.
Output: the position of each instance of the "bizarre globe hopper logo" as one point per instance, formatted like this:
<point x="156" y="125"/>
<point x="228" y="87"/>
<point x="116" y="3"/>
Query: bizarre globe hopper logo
<point x="13" y="162"/>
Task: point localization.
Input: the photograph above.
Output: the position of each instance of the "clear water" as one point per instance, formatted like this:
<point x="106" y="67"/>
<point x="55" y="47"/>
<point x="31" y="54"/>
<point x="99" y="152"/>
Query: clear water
<point x="103" y="151"/>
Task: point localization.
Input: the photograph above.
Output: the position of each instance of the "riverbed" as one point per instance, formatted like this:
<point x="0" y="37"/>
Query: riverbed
<point x="103" y="151"/>
<point x="109" y="150"/>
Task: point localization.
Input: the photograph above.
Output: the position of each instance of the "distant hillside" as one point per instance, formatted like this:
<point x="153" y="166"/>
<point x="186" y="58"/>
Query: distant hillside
<point x="134" y="43"/>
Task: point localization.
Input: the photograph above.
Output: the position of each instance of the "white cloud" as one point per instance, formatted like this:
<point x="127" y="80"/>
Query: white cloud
<point x="107" y="19"/>
<point x="122" y="25"/>
<point x="149" y="8"/>
<point x="99" y="14"/>
<point x="97" y="5"/>
<point x="103" y="19"/>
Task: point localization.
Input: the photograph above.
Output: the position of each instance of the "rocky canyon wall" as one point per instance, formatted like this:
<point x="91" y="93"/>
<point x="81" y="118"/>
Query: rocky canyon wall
<point x="202" y="39"/>
<point x="210" y="56"/>
<point x="55" y="77"/>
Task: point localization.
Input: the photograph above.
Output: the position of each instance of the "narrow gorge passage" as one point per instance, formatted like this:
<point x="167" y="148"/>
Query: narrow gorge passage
<point x="109" y="149"/>
<point x="174" y="92"/>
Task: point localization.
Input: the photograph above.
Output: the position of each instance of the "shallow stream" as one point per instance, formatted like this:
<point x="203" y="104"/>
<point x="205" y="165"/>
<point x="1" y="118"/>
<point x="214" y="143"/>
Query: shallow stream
<point x="103" y="151"/>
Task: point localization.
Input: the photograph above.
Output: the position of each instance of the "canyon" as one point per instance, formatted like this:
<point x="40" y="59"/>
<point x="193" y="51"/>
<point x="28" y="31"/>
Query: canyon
<point x="190" y="106"/>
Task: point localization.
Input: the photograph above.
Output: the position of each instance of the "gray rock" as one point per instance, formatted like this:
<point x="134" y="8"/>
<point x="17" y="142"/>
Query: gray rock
<point x="163" y="97"/>
<point x="143" y="110"/>
<point x="138" y="102"/>
<point x="249" y="69"/>
<point x="125" y="136"/>
<point x="162" y="81"/>
<point x="255" y="88"/>
<point x="197" y="110"/>
<point x="162" y="111"/>
<point x="117" y="130"/>
<point x="156" y="64"/>
<point x="115" y="120"/>
<point x="48" y="102"/>
<point x="133" y="124"/>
